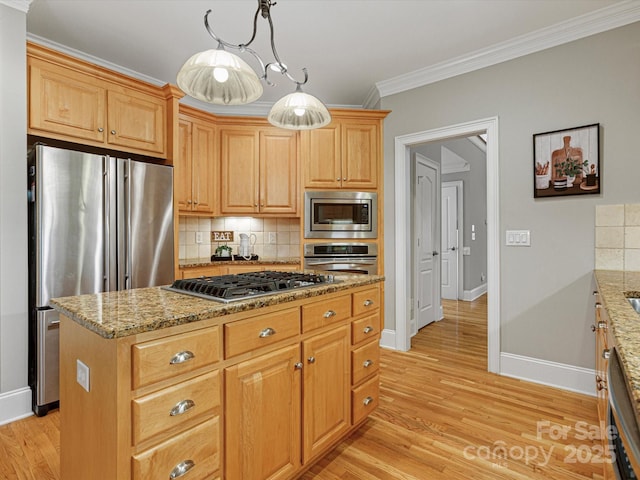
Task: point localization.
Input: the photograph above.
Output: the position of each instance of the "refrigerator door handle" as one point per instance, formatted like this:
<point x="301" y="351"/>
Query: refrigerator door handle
<point x="106" y="202"/>
<point x="127" y="253"/>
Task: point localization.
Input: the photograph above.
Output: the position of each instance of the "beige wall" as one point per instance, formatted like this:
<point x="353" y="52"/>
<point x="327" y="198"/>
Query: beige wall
<point x="546" y="301"/>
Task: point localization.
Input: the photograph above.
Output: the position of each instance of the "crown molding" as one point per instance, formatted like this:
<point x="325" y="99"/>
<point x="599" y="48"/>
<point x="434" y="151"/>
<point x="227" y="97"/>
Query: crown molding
<point x="22" y="5"/>
<point x="372" y="98"/>
<point x="617" y="15"/>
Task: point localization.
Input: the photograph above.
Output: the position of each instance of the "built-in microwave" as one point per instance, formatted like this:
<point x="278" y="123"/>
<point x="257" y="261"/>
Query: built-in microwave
<point x="340" y="215"/>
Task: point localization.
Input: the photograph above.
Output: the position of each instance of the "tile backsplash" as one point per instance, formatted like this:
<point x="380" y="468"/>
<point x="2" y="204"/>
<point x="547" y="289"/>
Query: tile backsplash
<point x="285" y="232"/>
<point x="618" y="237"/>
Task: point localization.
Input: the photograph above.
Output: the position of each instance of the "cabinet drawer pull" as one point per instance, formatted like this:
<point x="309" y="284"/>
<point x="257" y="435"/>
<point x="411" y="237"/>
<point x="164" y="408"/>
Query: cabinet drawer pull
<point x="329" y="314"/>
<point x="368" y="400"/>
<point x="182" y="407"/>
<point x="267" y="332"/>
<point x="181" y="357"/>
<point x="368" y="303"/>
<point x="182" y="469"/>
<point x="368" y="329"/>
<point x="367" y="363"/>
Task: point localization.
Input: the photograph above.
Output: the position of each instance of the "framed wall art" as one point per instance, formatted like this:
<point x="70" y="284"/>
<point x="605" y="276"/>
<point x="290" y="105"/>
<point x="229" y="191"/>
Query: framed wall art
<point x="567" y="162"/>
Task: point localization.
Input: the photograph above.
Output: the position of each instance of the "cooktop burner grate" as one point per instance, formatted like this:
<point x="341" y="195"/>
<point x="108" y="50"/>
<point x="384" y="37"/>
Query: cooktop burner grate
<point x="227" y="288"/>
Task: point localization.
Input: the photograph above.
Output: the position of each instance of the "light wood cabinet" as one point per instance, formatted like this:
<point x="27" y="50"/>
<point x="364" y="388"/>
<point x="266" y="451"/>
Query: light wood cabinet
<point x="345" y="154"/>
<point x="262" y="416"/>
<point x="162" y="401"/>
<point x="194" y="175"/>
<point x="327" y="405"/>
<point x="79" y="105"/>
<point x="259" y="170"/>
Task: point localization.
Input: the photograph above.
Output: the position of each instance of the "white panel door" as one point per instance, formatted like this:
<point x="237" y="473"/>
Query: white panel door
<point x="449" y="242"/>
<point x="426" y="216"/>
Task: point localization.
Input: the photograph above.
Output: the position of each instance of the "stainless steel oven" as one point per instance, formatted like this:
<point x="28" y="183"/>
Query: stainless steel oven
<point x="623" y="432"/>
<point x="340" y="215"/>
<point x="361" y="258"/>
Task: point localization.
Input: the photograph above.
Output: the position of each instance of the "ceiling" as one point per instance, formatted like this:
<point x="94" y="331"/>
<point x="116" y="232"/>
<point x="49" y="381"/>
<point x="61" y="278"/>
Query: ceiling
<point x="355" y="50"/>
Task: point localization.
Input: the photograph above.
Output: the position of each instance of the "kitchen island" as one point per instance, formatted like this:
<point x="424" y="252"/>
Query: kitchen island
<point x="155" y="383"/>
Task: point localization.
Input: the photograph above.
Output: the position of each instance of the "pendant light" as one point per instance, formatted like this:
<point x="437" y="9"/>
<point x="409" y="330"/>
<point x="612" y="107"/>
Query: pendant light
<point x="218" y="76"/>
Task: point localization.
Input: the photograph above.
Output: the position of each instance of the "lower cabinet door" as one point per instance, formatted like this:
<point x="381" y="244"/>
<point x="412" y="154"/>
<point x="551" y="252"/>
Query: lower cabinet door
<point x="196" y="452"/>
<point x="262" y="416"/>
<point x="326" y="390"/>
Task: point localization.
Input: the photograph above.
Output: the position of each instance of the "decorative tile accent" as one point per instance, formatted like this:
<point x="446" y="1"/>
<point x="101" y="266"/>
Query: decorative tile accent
<point x="617" y="237"/>
<point x="286" y="231"/>
<point x="609" y="215"/>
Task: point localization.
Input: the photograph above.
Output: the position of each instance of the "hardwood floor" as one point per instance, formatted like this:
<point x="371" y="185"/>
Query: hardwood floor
<point x="441" y="416"/>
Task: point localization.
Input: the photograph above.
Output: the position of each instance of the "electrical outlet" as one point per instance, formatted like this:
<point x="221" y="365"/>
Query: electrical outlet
<point x="272" y="237"/>
<point x="198" y="237"/>
<point x="82" y="375"/>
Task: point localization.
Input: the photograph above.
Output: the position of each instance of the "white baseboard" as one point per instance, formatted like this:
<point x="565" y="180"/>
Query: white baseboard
<point x="559" y="375"/>
<point x="470" y="295"/>
<point x="15" y="405"/>
<point x="388" y="339"/>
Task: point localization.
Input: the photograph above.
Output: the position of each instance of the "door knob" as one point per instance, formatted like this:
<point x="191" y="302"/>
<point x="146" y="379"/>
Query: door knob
<point x="435" y="254"/>
<point x="453" y="249"/>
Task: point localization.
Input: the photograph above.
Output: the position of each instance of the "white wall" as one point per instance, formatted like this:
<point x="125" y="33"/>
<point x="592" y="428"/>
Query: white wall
<point x="15" y="396"/>
<point x="546" y="302"/>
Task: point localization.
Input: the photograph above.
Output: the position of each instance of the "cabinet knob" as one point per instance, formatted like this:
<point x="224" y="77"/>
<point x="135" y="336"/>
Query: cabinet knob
<point x="113" y="132"/>
<point x="602" y="386"/>
<point x="329" y="314"/>
<point x="593" y="328"/>
<point x="298" y="366"/>
<point x="196" y="202"/>
<point x="606" y="353"/>
<point x="598" y="305"/>
<point x="182" y="407"/>
<point x="595" y="292"/>
<point x="311" y="359"/>
<point x="367" y="363"/>
<point x="368" y="303"/>
<point x="367" y="400"/>
<point x="181" y="357"/>
<point x="188" y="202"/>
<point x="344" y="179"/>
<point x="338" y="179"/>
<point x="181" y="469"/>
<point x="101" y="129"/>
<point x="267" y="332"/>
<point x="368" y="329"/>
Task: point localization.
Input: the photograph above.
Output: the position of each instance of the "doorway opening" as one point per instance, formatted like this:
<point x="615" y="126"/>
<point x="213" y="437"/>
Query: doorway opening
<point x="403" y="221"/>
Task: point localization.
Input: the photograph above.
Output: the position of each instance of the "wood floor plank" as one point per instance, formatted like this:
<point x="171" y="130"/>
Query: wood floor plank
<point x="441" y="416"/>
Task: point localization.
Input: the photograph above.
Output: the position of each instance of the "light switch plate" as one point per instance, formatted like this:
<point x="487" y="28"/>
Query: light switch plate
<point x="518" y="238"/>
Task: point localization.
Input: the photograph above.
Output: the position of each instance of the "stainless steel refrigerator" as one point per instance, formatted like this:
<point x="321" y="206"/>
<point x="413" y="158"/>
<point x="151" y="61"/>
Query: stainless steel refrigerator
<point x="96" y="223"/>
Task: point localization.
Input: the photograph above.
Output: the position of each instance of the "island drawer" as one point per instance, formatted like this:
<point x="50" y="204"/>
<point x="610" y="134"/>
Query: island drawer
<point x="365" y="328"/>
<point x="366" y="301"/>
<point x="168" y="408"/>
<point x="170" y="356"/>
<point x="261" y="331"/>
<point x="197" y="451"/>
<point x="323" y="313"/>
<point x="365" y="362"/>
<point x="364" y="399"/>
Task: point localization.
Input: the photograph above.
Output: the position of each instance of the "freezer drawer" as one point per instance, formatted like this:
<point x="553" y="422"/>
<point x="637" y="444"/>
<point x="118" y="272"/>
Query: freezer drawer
<point x="47" y="356"/>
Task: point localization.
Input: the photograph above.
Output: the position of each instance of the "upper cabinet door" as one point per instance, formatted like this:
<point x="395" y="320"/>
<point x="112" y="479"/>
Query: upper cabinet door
<point x="182" y="167"/>
<point x="278" y="171"/>
<point x="321" y="159"/>
<point x="203" y="166"/>
<point x="136" y="121"/>
<point x="64" y="102"/>
<point x="239" y="169"/>
<point x="360" y="155"/>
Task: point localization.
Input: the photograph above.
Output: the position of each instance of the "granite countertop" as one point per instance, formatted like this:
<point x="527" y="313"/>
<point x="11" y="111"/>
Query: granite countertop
<point x="129" y="312"/>
<point x="614" y="289"/>
<point x="206" y="262"/>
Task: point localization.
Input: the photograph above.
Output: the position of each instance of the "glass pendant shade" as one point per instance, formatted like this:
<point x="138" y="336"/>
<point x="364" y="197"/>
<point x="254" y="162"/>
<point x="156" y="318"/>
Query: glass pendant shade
<point x="299" y="111"/>
<point x="219" y="77"/>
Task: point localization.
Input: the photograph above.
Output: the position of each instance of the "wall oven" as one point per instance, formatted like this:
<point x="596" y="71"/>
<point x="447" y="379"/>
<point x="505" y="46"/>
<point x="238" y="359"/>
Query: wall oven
<point x="623" y="432"/>
<point x="361" y="258"/>
<point x="340" y="215"/>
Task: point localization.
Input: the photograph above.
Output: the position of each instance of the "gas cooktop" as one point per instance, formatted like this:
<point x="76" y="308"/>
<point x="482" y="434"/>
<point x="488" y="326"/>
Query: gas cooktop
<point x="230" y="288"/>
